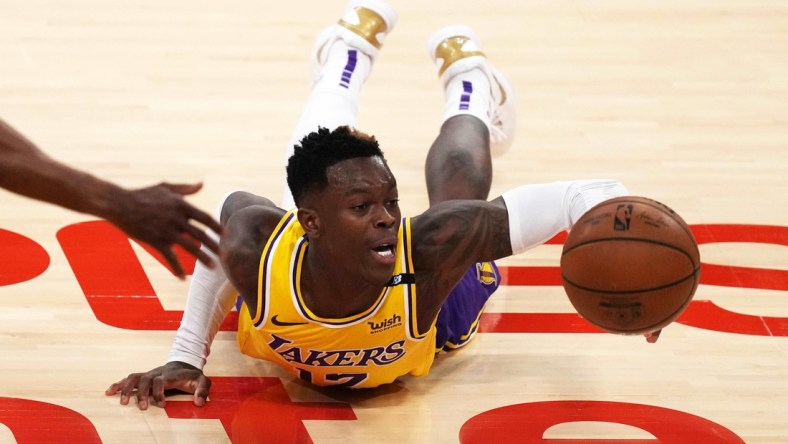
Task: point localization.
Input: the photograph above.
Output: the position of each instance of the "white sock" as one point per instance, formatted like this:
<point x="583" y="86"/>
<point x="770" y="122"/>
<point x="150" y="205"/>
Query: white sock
<point x="334" y="98"/>
<point x="469" y="93"/>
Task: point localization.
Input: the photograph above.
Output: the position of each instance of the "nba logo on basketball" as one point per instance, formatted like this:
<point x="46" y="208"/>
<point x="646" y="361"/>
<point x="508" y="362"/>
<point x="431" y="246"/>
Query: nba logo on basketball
<point x="623" y="215"/>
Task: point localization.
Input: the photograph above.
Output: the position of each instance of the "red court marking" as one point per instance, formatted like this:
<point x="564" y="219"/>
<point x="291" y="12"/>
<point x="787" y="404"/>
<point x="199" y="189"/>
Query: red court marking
<point x="742" y="277"/>
<point x="120" y="294"/>
<point x="259" y="410"/>
<point x="34" y="422"/>
<point x="527" y="423"/>
<point x="114" y="282"/>
<point x="711" y="274"/>
<point x="535" y="323"/>
<point x="21" y="258"/>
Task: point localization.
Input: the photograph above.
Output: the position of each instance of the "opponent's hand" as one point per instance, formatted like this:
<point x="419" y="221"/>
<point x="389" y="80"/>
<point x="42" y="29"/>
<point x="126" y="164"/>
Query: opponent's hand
<point x="652" y="336"/>
<point x="149" y="387"/>
<point x="159" y="216"/>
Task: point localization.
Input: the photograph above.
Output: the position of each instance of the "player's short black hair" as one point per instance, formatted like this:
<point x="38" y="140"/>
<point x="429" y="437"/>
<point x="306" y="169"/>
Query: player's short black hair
<point x="306" y="168"/>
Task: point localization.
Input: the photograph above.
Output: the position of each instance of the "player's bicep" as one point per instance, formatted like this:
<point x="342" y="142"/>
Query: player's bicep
<point x="462" y="232"/>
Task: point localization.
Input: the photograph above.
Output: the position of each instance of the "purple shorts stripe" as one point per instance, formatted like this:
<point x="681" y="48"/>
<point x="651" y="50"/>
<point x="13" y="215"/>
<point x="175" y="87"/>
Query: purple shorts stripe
<point x="459" y="316"/>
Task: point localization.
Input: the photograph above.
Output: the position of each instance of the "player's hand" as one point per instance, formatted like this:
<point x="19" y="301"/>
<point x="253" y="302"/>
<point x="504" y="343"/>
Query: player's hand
<point x="159" y="216"/>
<point x="148" y="388"/>
<point x="653" y="336"/>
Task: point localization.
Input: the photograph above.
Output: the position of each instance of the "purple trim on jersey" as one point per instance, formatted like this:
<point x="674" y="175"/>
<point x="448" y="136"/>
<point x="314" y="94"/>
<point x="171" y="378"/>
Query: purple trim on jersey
<point x="295" y="267"/>
<point x="350" y="67"/>
<point x="264" y="284"/>
<point x="465" y="99"/>
<point x="412" y="327"/>
<point x="299" y="300"/>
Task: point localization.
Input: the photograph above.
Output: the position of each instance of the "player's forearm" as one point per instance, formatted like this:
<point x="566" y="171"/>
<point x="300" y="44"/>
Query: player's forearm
<point x="26" y="170"/>
<point x="211" y="296"/>
<point x="539" y="212"/>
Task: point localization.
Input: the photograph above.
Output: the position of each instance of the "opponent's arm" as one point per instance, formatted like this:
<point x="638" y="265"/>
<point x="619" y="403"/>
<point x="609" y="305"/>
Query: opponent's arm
<point x="157" y="215"/>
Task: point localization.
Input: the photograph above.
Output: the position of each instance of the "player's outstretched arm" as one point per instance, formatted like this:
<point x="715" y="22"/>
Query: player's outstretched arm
<point x="452" y="235"/>
<point x="149" y="387"/>
<point x="157" y="215"/>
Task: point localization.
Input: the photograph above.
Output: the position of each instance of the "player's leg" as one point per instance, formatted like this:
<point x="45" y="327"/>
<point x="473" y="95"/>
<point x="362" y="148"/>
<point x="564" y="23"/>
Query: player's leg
<point x="479" y="117"/>
<point x="341" y="61"/>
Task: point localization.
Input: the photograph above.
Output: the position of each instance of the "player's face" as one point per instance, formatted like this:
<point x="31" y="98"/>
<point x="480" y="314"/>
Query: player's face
<point x="359" y="218"/>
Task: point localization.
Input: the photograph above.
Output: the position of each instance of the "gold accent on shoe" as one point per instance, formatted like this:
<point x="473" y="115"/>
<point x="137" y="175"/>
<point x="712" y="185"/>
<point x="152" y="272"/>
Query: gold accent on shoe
<point x="370" y="25"/>
<point x="450" y="50"/>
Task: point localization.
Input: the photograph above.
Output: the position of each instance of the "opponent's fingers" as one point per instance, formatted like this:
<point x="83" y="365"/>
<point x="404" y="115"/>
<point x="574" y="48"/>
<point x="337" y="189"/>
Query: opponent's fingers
<point x="194" y="250"/>
<point x="200" y="235"/>
<point x="205" y="219"/>
<point x="189" y="237"/>
<point x="183" y="188"/>
<point x="169" y="256"/>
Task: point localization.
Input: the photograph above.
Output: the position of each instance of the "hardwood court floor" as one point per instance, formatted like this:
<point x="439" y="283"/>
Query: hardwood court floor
<point x="684" y="101"/>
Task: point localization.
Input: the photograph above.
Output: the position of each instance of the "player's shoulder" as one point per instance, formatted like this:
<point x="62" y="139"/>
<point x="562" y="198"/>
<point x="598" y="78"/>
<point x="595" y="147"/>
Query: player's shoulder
<point x="246" y="232"/>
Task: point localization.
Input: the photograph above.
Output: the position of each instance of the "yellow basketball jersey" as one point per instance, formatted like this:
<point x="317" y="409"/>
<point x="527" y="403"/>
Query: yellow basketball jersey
<point x="365" y="350"/>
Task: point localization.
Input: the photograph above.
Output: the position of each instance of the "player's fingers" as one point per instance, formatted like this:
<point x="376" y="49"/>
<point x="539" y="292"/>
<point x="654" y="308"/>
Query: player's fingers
<point x="157" y="392"/>
<point x="653" y="336"/>
<point x="114" y="388"/>
<point x="143" y="391"/>
<point x="128" y="385"/>
<point x="201" y="393"/>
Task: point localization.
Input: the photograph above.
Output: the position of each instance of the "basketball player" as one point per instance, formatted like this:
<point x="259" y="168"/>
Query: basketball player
<point x="157" y="215"/>
<point x="343" y="290"/>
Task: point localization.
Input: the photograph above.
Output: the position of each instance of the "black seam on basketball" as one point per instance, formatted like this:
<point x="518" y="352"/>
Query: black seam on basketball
<point x="631" y="239"/>
<point x="645" y="290"/>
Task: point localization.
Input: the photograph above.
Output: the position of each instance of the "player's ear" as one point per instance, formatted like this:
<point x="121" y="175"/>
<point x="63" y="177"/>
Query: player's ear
<point x="310" y="222"/>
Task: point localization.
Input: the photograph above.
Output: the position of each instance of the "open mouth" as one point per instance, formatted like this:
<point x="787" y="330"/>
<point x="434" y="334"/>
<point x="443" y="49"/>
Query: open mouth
<point x="385" y="251"/>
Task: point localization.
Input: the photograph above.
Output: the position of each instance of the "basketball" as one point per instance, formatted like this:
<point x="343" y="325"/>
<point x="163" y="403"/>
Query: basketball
<point x="630" y="265"/>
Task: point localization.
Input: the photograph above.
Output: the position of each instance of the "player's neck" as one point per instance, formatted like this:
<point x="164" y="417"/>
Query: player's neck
<point x="332" y="292"/>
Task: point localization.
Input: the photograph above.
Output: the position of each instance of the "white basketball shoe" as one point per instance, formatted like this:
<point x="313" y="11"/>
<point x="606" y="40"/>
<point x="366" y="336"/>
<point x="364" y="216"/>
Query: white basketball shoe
<point x="455" y="49"/>
<point x="364" y="26"/>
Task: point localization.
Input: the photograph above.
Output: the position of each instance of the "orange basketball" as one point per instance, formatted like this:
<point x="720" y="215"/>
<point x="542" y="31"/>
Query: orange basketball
<point x="630" y="265"/>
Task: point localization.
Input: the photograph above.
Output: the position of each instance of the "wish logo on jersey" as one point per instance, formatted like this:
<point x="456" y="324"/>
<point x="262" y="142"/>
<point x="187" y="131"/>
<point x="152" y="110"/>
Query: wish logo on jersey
<point x="382" y="355"/>
<point x="394" y="321"/>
